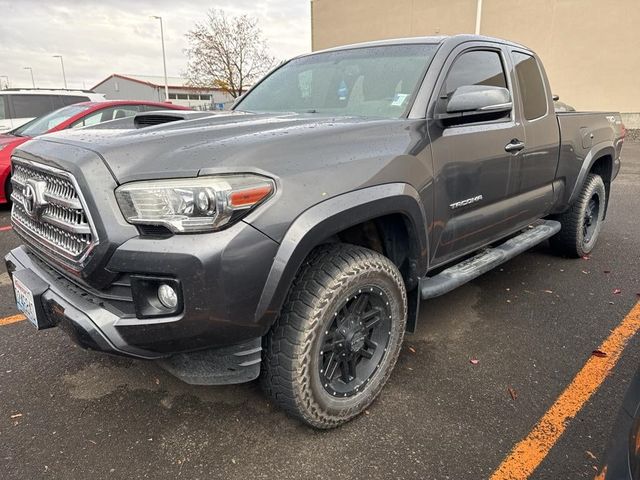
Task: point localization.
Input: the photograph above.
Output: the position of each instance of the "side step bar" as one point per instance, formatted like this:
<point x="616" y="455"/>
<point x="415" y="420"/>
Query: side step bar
<point x="486" y="260"/>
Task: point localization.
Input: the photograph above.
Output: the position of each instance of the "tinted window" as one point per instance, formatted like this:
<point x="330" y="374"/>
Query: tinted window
<point x="71" y="99"/>
<point x="368" y="82"/>
<point x="532" y="91"/>
<point x="27" y="106"/>
<point x="3" y="115"/>
<point x="475" y="68"/>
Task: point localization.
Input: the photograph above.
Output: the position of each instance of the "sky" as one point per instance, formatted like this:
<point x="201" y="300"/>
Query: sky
<point x="98" y="38"/>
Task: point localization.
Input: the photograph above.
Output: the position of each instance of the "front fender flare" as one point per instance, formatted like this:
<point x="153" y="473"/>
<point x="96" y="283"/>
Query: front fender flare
<point x="330" y="217"/>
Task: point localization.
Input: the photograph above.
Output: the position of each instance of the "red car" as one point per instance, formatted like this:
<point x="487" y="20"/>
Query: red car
<point x="74" y="116"/>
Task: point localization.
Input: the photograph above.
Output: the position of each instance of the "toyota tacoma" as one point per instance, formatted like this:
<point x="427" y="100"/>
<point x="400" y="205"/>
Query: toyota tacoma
<point x="294" y="237"/>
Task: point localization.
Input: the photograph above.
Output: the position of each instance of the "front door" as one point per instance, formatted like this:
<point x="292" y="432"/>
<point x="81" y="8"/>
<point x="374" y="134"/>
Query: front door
<point x="473" y="162"/>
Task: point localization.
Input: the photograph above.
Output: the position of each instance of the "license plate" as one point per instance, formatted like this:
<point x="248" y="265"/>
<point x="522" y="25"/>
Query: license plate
<point x="24" y="301"/>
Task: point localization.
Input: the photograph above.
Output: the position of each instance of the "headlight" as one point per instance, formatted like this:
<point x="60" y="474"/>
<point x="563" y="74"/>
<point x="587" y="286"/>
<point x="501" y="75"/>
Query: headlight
<point x="200" y="204"/>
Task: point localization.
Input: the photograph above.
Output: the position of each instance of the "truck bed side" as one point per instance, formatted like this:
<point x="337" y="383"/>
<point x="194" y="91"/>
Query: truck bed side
<point x="589" y="141"/>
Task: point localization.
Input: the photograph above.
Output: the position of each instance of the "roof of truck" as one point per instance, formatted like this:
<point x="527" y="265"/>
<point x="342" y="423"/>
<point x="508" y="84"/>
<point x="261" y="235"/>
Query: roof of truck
<point x="457" y="39"/>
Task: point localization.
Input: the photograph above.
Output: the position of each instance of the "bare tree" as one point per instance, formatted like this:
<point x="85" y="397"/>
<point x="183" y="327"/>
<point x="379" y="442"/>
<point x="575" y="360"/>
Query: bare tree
<point x="226" y="52"/>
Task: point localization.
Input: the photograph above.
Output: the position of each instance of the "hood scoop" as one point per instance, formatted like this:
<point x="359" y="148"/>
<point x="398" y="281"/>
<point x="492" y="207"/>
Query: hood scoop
<point x="149" y="119"/>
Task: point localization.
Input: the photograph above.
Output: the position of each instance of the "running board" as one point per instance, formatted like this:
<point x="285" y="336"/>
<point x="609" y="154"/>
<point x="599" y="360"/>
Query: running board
<point x="486" y="260"/>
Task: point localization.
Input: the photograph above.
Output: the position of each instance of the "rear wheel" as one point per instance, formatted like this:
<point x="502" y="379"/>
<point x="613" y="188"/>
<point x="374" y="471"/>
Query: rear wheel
<point x="582" y="223"/>
<point x="338" y="337"/>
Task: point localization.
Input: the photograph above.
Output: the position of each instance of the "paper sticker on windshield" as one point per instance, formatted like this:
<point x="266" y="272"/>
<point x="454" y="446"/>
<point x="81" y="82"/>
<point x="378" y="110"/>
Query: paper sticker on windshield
<point x="399" y="99"/>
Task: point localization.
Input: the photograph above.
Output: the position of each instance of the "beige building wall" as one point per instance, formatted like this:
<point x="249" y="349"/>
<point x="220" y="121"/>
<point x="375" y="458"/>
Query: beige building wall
<point x="590" y="48"/>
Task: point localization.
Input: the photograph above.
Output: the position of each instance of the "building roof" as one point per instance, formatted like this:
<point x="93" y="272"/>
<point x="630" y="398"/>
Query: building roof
<point x="175" y="83"/>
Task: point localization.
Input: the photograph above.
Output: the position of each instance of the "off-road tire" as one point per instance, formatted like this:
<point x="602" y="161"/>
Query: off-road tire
<point x="291" y="364"/>
<point x="570" y="240"/>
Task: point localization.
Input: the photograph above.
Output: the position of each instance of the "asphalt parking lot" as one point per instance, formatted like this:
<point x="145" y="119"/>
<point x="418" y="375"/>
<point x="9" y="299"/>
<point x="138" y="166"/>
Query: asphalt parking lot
<point x="531" y="325"/>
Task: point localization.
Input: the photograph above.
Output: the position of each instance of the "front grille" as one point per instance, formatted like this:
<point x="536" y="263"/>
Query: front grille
<point x="58" y="225"/>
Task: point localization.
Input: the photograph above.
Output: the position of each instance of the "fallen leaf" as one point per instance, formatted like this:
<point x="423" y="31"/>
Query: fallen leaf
<point x="157" y="381"/>
<point x="366" y="412"/>
<point x="474" y="361"/>
<point x="606" y="271"/>
<point x="548" y="291"/>
<point x="617" y="291"/>
<point x="17" y="415"/>
<point x="590" y="455"/>
<point x="611" y="303"/>
<point x="412" y="350"/>
<point x="586" y="257"/>
<point x="598" y="353"/>
<point x="585" y="272"/>
<point x="513" y="393"/>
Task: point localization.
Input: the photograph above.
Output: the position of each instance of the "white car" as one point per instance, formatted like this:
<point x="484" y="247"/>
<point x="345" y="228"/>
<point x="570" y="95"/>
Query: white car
<point x="19" y="106"/>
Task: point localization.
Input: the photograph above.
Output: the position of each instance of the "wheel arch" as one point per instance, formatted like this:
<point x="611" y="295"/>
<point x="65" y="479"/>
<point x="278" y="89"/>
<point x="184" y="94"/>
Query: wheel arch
<point x="598" y="160"/>
<point x="339" y="219"/>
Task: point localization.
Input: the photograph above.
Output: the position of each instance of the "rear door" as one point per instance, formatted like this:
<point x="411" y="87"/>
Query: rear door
<point x="535" y="167"/>
<point x="473" y="171"/>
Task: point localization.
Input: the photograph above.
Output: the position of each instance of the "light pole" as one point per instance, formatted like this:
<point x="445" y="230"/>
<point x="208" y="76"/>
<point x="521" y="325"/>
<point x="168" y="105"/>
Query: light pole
<point x="164" y="59"/>
<point x="33" y="82"/>
<point x="64" y="77"/>
<point x="478" y="16"/>
<point x="6" y="81"/>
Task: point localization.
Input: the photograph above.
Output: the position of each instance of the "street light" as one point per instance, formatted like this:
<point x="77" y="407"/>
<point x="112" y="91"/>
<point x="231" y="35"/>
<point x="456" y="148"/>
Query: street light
<point x="64" y="77"/>
<point x="6" y="81"/>
<point x="33" y="82"/>
<point x="164" y="59"/>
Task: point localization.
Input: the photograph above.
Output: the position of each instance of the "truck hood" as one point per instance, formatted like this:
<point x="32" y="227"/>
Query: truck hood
<point x="236" y="141"/>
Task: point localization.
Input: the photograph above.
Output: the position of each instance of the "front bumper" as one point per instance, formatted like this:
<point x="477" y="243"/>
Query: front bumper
<point x="221" y="274"/>
<point x="89" y="325"/>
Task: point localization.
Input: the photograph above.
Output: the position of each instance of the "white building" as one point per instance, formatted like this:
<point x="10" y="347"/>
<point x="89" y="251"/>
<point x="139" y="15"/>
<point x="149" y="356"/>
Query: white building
<point x="151" y="88"/>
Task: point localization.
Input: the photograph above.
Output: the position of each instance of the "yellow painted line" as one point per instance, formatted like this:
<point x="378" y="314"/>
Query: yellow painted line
<point x="12" y="319"/>
<point x="527" y="455"/>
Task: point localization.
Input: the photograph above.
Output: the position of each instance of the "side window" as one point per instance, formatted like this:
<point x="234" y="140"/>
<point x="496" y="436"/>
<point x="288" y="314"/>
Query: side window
<point x="478" y="67"/>
<point x="3" y="112"/>
<point x="92" y="119"/>
<point x="125" y="111"/>
<point x="71" y="99"/>
<point x="28" y="106"/>
<point x="532" y="91"/>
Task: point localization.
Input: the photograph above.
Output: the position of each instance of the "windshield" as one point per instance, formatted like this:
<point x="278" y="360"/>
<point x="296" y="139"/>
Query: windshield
<point x="367" y="82"/>
<point x="50" y="120"/>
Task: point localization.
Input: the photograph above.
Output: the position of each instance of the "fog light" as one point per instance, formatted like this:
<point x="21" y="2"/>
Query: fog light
<point x="167" y="296"/>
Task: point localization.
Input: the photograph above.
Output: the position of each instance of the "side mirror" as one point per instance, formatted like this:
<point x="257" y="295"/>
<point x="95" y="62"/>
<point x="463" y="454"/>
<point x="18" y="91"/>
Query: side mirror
<point x="476" y="101"/>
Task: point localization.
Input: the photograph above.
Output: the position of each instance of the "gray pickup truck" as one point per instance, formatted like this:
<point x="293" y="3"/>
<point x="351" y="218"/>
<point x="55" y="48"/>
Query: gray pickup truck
<point x="294" y="237"/>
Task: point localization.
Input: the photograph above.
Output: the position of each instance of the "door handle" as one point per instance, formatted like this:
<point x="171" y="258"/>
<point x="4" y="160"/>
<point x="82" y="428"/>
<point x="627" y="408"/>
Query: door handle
<point x="514" y="146"/>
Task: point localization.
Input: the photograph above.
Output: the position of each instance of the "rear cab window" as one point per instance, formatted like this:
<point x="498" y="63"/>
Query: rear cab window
<point x="532" y="89"/>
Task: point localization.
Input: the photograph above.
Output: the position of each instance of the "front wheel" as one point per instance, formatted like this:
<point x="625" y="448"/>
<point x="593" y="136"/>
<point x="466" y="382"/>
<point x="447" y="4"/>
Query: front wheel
<point x="581" y="224"/>
<point x="338" y="337"/>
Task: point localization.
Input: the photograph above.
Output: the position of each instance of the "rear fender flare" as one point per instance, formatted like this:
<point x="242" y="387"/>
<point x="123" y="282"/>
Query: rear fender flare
<point x="598" y="151"/>
<point x="331" y="217"/>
